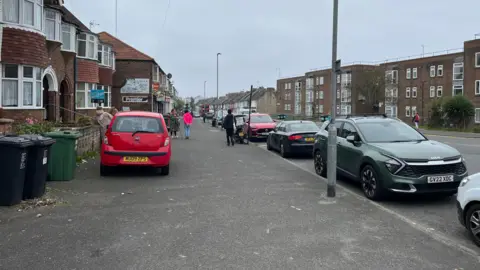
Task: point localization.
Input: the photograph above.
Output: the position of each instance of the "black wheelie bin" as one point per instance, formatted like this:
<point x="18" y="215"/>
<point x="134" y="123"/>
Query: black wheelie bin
<point x="37" y="166"/>
<point x="13" y="166"/>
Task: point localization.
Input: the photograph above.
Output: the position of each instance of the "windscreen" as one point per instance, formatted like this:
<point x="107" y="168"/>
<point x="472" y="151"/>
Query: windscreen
<point x="137" y="123"/>
<point x="389" y="131"/>
<point x="261" y="119"/>
<point x="303" y="127"/>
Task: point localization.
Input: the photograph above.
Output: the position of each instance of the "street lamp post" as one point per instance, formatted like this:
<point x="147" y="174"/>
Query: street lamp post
<point x="332" y="130"/>
<point x="218" y="54"/>
<point x="204" y="94"/>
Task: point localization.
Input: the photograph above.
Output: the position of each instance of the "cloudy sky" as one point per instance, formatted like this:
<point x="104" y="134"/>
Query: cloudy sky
<point x="261" y="40"/>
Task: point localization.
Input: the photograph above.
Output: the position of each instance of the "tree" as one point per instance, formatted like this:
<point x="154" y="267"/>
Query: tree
<point x="179" y="104"/>
<point x="370" y="87"/>
<point x="437" y="115"/>
<point x="193" y="107"/>
<point x="459" y="110"/>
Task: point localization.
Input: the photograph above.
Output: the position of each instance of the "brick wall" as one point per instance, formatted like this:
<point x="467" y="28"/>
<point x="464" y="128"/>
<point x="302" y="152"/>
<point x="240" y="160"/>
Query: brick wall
<point x="105" y="75"/>
<point x="128" y="70"/>
<point x="20" y="115"/>
<point x="87" y="71"/>
<point x="24" y="47"/>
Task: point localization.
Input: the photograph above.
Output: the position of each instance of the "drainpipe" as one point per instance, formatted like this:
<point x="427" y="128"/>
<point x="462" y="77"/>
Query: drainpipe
<point x="75" y="78"/>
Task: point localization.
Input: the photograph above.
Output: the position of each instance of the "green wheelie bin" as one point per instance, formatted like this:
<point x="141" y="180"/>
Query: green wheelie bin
<point x="63" y="155"/>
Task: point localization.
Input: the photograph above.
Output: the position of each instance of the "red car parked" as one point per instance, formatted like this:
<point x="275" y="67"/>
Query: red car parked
<point x="261" y="124"/>
<point x="136" y="138"/>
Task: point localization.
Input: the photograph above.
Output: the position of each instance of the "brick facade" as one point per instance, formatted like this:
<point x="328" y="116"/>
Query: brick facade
<point x="105" y="76"/>
<point x="126" y="69"/>
<point x="24" y="47"/>
<point x="87" y="71"/>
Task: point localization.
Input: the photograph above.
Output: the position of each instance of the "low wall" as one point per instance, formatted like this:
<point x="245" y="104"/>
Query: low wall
<point x="5" y="125"/>
<point x="89" y="141"/>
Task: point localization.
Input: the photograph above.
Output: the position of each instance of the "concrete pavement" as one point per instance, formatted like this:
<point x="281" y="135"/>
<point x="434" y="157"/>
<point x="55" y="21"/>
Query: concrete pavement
<point x="451" y="133"/>
<point x="220" y="208"/>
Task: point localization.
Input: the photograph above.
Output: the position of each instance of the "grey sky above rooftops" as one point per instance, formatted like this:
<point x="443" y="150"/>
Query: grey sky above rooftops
<point x="260" y="39"/>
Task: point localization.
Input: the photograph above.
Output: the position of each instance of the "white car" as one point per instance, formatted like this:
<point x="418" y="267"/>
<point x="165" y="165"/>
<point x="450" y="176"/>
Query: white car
<point x="468" y="205"/>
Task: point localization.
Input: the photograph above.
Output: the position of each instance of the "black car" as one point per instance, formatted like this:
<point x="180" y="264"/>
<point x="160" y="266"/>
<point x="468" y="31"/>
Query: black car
<point x="293" y="137"/>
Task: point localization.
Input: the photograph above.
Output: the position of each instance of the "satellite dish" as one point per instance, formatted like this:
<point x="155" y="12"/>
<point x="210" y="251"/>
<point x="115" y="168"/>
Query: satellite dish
<point x="169" y="75"/>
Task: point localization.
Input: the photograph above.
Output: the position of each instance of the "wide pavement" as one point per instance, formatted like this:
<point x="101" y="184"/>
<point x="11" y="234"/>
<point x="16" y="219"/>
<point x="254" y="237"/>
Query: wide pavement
<point x="436" y="214"/>
<point x="220" y="208"/>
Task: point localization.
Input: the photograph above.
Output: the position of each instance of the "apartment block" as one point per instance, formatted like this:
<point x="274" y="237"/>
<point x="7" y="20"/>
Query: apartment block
<point x="410" y="86"/>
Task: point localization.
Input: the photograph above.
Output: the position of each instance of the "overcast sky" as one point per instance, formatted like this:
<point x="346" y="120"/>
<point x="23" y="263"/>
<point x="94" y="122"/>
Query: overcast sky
<point x="262" y="39"/>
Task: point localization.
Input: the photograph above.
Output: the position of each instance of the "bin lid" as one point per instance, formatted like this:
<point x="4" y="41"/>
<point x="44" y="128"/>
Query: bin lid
<point x="64" y="134"/>
<point x="15" y="141"/>
<point x="39" y="140"/>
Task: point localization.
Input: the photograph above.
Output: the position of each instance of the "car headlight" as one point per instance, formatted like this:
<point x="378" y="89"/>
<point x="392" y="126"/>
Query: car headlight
<point x="464" y="181"/>
<point x="393" y="165"/>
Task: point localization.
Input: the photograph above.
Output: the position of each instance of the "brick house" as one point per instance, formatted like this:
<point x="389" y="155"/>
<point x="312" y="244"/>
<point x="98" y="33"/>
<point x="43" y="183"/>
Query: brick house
<point x="37" y="60"/>
<point x="138" y="83"/>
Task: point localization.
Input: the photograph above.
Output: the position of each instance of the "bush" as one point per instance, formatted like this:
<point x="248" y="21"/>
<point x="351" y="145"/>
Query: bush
<point x="32" y="126"/>
<point x="476" y="130"/>
<point x="437" y="118"/>
<point x="85" y="121"/>
<point x="459" y="110"/>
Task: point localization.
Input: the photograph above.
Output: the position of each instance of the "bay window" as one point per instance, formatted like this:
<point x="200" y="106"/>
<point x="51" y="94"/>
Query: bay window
<point x="83" y="95"/>
<point x="68" y="37"/>
<point x="27" y="13"/>
<point x="87" y="46"/>
<point x="53" y="22"/>
<point x="21" y="87"/>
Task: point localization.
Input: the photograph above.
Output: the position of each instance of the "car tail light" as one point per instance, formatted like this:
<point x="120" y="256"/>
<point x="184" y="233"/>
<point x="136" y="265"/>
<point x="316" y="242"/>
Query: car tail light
<point x="294" y="137"/>
<point x="167" y="142"/>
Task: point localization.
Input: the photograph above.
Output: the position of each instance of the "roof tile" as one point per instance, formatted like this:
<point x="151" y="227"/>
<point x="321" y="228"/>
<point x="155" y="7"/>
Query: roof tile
<point x="122" y="49"/>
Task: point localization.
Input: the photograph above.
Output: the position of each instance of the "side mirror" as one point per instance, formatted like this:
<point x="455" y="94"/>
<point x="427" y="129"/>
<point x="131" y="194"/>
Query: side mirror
<point x="351" y="138"/>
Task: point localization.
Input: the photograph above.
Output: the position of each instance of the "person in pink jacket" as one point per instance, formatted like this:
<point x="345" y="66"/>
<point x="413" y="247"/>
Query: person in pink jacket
<point x="187" y="121"/>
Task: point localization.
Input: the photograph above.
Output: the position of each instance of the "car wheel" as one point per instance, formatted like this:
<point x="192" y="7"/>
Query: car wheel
<point x="371" y="185"/>
<point x="105" y="170"/>
<point x="283" y="152"/>
<point x="472" y="222"/>
<point x="320" y="164"/>
<point x="165" y="170"/>
<point x="269" y="147"/>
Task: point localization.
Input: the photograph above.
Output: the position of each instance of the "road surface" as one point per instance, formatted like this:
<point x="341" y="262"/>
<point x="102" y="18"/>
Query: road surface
<point x="223" y="208"/>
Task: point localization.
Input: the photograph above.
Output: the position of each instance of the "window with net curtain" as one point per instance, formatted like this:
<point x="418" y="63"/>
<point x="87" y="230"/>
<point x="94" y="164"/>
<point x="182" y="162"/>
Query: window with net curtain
<point x="21" y="86"/>
<point x="10" y="86"/>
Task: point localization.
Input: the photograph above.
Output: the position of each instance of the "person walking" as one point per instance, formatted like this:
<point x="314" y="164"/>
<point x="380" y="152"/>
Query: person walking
<point x="113" y="111"/>
<point x="187" y="122"/>
<point x="103" y="119"/>
<point x="229" y="124"/>
<point x="416" y="120"/>
<point x="174" y="123"/>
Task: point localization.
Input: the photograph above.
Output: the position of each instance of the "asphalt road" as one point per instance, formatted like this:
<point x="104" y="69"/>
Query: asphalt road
<point x="221" y="207"/>
<point x="436" y="214"/>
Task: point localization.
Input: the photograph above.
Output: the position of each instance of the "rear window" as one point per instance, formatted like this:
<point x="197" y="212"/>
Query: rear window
<point x="306" y="126"/>
<point x="137" y="123"/>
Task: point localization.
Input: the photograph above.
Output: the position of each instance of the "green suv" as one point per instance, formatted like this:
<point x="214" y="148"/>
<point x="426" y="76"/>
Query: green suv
<point x="386" y="155"/>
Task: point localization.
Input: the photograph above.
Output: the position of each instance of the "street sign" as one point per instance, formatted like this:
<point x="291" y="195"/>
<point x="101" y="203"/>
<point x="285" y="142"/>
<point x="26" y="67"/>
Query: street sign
<point x="135" y="99"/>
<point x="97" y="95"/>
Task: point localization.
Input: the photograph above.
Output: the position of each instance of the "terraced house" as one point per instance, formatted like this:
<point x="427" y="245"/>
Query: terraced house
<point x="411" y="85"/>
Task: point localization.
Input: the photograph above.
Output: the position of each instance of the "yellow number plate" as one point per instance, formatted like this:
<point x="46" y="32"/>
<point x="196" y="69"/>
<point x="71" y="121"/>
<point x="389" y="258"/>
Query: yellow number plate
<point x="240" y="134"/>
<point x="310" y="139"/>
<point x="135" y="159"/>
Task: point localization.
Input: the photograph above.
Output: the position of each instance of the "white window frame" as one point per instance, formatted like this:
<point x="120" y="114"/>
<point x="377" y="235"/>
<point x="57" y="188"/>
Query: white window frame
<point x="432" y="91"/>
<point x="413" y="110"/>
<point x="107" y="62"/>
<point x="409" y="73"/>
<point x="317" y="80"/>
<point x="456" y="87"/>
<point x="87" y="95"/>
<point x="108" y="94"/>
<point x="21" y="20"/>
<point x="477" y="87"/>
<point x="317" y="94"/>
<point x="391" y="110"/>
<point x="57" y="23"/>
<point x="321" y="94"/>
<point x="407" y="111"/>
<point x="72" y="35"/>
<point x="458" y="65"/>
<point x="338" y="78"/>
<point x="321" y="80"/>
<point x="414" y="73"/>
<point x="407" y="92"/>
<point x="439" y="91"/>
<point x="477" y="115"/>
<point x="440" y="70"/>
<point x="320" y="108"/>
<point x="432" y="71"/>
<point x="477" y="59"/>
<point x="87" y="40"/>
<point x="20" y="80"/>
<point x="414" y="92"/>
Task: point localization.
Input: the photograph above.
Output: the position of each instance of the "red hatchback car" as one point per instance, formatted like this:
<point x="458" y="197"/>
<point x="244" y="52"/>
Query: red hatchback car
<point x="136" y="138"/>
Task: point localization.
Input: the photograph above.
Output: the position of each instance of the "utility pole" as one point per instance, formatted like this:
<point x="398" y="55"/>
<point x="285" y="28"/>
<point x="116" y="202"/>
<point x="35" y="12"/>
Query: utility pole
<point x="332" y="130"/>
<point x="116" y="18"/>
<point x="249" y="112"/>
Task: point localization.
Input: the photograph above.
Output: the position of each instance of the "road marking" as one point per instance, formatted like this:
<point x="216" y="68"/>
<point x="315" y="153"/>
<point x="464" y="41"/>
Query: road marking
<point x="440" y="237"/>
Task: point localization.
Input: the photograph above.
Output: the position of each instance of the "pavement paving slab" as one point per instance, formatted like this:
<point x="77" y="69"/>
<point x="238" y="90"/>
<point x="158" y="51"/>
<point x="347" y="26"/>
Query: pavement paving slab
<point x="220" y="208"/>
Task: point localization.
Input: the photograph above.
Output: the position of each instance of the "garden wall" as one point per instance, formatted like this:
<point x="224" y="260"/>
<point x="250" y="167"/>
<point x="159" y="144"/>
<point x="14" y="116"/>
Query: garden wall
<point x="89" y="141"/>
